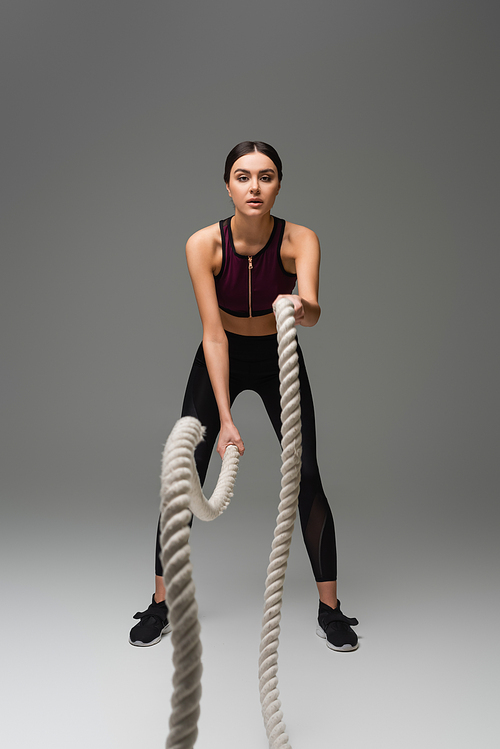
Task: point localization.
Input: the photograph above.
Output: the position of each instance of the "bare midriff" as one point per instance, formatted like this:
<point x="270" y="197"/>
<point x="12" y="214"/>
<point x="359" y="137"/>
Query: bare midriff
<point x="252" y="326"/>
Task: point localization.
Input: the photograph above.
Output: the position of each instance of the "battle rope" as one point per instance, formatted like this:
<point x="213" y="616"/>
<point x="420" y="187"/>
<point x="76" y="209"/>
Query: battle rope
<point x="291" y="450"/>
<point x="181" y="494"/>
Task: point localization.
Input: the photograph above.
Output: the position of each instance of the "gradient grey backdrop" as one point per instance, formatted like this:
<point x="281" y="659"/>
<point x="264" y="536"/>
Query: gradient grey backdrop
<point x="116" y="120"/>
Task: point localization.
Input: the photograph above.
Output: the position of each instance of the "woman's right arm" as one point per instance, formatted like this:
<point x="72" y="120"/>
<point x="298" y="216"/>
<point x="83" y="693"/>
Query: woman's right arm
<point x="201" y="254"/>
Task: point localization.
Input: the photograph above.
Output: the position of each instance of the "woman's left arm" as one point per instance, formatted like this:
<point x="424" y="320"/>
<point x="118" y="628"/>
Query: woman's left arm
<point x="305" y="250"/>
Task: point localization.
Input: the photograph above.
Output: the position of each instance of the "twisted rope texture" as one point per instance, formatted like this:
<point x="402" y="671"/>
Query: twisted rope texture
<point x="181" y="494"/>
<point x="291" y="451"/>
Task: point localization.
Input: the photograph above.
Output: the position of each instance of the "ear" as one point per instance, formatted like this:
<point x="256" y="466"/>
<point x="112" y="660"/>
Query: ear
<point x="229" y="191"/>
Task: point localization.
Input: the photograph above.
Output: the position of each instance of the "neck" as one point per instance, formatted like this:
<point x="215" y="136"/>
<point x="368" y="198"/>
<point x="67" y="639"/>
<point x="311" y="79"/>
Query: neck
<point x="251" y="229"/>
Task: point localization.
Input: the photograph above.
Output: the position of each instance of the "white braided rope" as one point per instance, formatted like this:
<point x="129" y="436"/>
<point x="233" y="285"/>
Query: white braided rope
<point x="181" y="494"/>
<point x="291" y="450"/>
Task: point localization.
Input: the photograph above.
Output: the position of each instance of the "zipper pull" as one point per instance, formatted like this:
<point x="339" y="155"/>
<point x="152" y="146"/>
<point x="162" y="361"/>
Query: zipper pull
<point x="250" y="264"/>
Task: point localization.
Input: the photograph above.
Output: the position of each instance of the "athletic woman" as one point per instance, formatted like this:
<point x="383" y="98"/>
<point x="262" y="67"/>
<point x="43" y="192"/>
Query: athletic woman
<point x="239" y="268"/>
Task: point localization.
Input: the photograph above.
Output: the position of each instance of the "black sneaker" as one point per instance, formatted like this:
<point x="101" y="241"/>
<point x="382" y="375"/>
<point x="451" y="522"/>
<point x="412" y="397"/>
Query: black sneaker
<point x="153" y="624"/>
<point x="335" y="628"/>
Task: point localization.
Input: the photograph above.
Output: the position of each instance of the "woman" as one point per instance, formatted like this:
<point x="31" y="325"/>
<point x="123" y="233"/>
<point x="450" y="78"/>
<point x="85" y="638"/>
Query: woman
<point x="239" y="268"/>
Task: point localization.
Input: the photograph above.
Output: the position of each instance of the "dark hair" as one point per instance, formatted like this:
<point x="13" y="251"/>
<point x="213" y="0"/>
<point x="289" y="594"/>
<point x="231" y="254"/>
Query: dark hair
<point x="250" y="146"/>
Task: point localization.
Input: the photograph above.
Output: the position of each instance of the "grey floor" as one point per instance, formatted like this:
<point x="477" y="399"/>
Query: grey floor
<point x="426" y="672"/>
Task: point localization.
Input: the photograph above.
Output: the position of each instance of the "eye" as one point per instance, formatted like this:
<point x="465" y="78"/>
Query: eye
<point x="242" y="178"/>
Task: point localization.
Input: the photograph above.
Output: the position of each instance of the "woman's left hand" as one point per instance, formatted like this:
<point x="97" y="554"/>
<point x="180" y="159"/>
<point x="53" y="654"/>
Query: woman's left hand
<point x="297" y="305"/>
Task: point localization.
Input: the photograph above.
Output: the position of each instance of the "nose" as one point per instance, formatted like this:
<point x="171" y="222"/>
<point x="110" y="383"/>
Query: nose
<point x="254" y="187"/>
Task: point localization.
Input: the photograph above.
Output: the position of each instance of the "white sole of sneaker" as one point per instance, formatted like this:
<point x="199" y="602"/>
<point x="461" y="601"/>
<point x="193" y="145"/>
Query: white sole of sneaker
<point x="342" y="649"/>
<point x="140" y="644"/>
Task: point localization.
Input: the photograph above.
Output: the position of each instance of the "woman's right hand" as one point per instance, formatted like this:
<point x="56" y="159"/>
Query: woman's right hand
<point x="229" y="435"/>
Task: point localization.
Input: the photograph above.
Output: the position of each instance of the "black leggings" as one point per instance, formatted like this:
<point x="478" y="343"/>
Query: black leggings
<point x="253" y="365"/>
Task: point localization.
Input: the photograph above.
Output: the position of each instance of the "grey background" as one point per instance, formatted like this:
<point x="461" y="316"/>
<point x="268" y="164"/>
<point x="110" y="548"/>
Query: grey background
<point x="116" y="120"/>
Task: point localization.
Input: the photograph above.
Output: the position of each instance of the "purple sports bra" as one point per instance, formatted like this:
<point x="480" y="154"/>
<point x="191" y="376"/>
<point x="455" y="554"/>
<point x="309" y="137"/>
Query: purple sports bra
<point x="248" y="285"/>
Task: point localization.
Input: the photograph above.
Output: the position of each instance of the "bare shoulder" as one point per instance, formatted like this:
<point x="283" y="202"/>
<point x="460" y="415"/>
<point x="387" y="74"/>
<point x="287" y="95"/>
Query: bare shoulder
<point x="298" y="239"/>
<point x="205" y="239"/>
<point x="297" y="231"/>
<point x="204" y="245"/>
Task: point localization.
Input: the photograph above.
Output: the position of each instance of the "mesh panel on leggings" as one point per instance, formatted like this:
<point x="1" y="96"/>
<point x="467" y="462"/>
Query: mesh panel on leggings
<point x="318" y="530"/>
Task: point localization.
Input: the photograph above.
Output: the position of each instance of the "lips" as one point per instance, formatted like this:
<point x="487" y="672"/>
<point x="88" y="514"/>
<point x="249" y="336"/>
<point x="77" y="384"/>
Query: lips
<point x="256" y="200"/>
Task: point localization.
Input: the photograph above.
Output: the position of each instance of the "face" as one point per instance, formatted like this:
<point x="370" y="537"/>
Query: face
<point x="253" y="184"/>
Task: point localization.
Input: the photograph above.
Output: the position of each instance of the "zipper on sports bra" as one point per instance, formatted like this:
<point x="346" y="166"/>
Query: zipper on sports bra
<point x="250" y="266"/>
